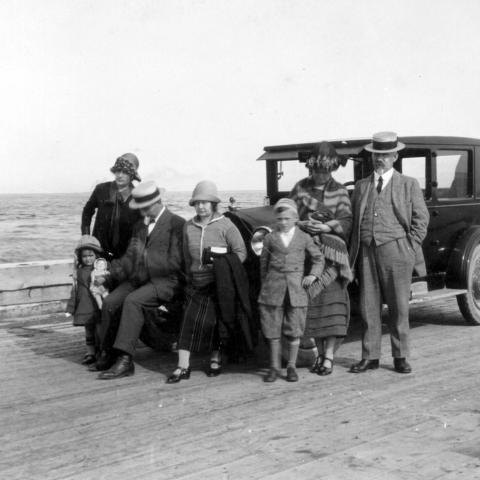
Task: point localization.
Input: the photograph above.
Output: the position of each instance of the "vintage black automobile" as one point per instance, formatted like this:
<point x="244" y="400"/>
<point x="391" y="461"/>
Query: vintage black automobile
<point x="448" y="170"/>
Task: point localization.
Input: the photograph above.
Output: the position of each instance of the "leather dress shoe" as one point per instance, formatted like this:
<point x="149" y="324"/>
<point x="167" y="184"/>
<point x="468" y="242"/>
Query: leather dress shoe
<point x="184" y="374"/>
<point x="271" y="376"/>
<point x="104" y="362"/>
<point x="364" y="365"/>
<point x="123" y="367"/>
<point x="292" y="375"/>
<point x="401" y="365"/>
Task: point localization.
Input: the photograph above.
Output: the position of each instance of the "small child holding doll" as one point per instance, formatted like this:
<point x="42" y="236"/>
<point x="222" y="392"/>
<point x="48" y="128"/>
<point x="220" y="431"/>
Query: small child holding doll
<point x="283" y="298"/>
<point x="84" y="299"/>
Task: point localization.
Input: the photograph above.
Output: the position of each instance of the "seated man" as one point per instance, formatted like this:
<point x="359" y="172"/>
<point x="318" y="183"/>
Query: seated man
<point x="149" y="274"/>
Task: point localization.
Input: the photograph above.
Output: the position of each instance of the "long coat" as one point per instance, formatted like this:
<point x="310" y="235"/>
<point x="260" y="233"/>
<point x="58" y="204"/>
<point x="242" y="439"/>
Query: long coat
<point x="156" y="257"/>
<point x="103" y="200"/>
<point x="283" y="268"/>
<point x="410" y="210"/>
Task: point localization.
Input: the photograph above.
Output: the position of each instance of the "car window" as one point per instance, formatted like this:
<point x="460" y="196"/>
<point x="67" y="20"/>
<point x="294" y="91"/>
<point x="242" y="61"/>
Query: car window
<point x="454" y="174"/>
<point x="344" y="174"/>
<point x="415" y="167"/>
<point x="290" y="172"/>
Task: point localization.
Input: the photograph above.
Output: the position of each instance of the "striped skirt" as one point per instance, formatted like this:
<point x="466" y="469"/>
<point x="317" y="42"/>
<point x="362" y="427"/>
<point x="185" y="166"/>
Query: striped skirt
<point x="199" y="330"/>
<point x="328" y="313"/>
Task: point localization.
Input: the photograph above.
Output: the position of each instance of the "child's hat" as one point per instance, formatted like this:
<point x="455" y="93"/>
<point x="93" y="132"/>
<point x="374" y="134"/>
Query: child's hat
<point x="286" y="204"/>
<point x="88" y="241"/>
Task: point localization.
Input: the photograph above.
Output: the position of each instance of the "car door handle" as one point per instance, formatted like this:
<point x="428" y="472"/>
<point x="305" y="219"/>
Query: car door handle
<point x="435" y="243"/>
<point x="435" y="213"/>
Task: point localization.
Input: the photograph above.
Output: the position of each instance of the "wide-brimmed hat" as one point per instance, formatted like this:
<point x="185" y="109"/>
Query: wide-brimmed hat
<point x="127" y="163"/>
<point x="144" y="195"/>
<point x="384" y="142"/>
<point x="286" y="204"/>
<point x="204" y="191"/>
<point x="88" y="242"/>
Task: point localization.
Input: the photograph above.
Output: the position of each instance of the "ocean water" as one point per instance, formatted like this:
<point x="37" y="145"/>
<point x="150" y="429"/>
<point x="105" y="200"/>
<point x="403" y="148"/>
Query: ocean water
<point x="47" y="226"/>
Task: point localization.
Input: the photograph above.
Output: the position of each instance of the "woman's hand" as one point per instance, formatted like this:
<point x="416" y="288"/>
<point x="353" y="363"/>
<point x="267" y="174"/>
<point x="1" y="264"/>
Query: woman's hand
<point x="308" y="280"/>
<point x="313" y="227"/>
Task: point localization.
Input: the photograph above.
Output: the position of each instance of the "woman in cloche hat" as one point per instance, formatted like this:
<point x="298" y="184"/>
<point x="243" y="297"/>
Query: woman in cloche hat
<point x="114" y="220"/>
<point x="207" y="233"/>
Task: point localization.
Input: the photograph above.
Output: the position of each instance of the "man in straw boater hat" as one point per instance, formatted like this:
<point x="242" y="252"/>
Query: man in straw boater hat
<point x="149" y="273"/>
<point x="390" y="221"/>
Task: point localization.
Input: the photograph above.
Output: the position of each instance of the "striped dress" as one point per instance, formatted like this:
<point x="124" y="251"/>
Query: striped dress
<point x="329" y="310"/>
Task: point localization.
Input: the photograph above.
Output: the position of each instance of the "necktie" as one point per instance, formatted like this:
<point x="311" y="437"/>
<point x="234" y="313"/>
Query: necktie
<point x="379" y="184"/>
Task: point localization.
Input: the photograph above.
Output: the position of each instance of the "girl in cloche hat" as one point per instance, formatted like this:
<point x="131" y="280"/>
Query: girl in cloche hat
<point x="82" y="303"/>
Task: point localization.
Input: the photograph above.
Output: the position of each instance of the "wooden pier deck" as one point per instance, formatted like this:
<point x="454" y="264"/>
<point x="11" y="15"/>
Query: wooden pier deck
<point x="59" y="422"/>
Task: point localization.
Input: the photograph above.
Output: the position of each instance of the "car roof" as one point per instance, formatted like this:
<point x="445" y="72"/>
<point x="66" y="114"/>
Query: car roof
<point x="355" y="145"/>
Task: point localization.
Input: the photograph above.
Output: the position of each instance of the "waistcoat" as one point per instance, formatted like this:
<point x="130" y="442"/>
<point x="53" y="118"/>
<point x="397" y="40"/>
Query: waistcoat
<point x="379" y="221"/>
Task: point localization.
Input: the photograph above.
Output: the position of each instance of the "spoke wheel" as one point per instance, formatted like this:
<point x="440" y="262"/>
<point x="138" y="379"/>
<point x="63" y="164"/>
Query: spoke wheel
<point x="469" y="302"/>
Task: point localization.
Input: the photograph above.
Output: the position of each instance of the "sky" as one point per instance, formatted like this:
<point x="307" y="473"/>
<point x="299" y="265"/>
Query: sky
<point x="197" y="88"/>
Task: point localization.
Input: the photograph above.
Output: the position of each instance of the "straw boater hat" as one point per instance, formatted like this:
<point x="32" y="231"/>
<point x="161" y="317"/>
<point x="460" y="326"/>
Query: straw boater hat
<point x="144" y="195"/>
<point x="127" y="163"/>
<point x="384" y="142"/>
<point x="204" y="191"/>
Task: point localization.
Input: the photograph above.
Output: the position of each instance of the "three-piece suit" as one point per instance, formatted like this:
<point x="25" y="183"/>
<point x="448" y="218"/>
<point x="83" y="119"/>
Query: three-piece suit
<point x="388" y="230"/>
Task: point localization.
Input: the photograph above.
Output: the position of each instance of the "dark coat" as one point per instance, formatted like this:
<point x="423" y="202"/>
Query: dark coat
<point x="113" y="237"/>
<point x="81" y="303"/>
<point x="157" y="259"/>
<point x="409" y="207"/>
<point x="232" y="291"/>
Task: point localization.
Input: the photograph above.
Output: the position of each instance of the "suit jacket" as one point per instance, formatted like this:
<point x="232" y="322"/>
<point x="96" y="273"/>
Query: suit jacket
<point x="159" y="255"/>
<point x="409" y="207"/>
<point x="283" y="268"/>
<point x="103" y="200"/>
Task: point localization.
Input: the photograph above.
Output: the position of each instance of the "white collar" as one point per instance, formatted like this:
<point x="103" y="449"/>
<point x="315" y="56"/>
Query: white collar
<point x="385" y="176"/>
<point x="147" y="219"/>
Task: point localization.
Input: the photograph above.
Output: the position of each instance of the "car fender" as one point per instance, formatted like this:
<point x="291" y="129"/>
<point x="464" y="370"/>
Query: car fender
<point x="459" y="261"/>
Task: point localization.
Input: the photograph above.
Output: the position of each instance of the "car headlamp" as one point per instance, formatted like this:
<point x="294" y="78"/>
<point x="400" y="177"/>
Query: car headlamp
<point x="256" y="242"/>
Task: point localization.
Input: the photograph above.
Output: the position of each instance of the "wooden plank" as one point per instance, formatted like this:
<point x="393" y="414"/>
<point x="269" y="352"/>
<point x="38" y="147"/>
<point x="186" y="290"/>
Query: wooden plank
<point x="20" y="312"/>
<point x="35" y="295"/>
<point x="59" y="422"/>
<point x="16" y="276"/>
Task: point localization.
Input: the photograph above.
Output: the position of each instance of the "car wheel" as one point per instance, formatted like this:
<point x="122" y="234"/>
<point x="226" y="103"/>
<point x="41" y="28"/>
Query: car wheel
<point x="469" y="302"/>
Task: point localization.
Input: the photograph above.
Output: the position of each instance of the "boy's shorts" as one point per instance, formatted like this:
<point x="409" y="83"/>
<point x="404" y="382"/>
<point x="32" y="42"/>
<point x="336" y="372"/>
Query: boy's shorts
<point x="285" y="319"/>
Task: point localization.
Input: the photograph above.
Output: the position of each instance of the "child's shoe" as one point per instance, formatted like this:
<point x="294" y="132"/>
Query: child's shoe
<point x="292" y="374"/>
<point x="271" y="376"/>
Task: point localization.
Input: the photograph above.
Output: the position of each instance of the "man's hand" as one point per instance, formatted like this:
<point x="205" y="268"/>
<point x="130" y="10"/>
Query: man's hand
<point x="308" y="280"/>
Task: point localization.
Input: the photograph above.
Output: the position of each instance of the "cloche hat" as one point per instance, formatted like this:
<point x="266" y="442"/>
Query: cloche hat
<point x="286" y="204"/>
<point x="128" y="163"/>
<point x="90" y="242"/>
<point x="144" y="195"/>
<point x="205" y="191"/>
<point x="384" y="142"/>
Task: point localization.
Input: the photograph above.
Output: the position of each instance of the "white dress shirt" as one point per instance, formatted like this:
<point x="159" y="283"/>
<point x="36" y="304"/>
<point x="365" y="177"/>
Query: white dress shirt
<point x="287" y="236"/>
<point x="386" y="177"/>
<point x="151" y="225"/>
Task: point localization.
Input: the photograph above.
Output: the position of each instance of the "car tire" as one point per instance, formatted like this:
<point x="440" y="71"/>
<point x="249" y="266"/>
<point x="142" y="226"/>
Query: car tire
<point x="469" y="303"/>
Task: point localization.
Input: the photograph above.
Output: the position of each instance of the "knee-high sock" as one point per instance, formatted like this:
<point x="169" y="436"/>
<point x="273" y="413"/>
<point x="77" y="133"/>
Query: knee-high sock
<point x="275" y="353"/>
<point x="293" y="345"/>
